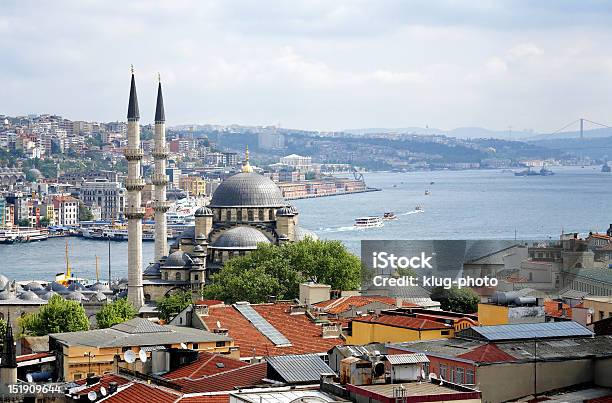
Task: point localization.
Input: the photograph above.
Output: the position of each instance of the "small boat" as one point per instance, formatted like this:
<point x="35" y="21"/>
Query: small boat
<point x="605" y="168"/>
<point x="431" y="183"/>
<point x="369" y="222"/>
<point x="389" y="216"/>
<point x="427" y="192"/>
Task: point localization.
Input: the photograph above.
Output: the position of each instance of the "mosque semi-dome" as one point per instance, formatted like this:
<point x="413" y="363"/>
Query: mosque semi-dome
<point x="240" y="237"/>
<point x="178" y="259"/>
<point x="247" y="189"/>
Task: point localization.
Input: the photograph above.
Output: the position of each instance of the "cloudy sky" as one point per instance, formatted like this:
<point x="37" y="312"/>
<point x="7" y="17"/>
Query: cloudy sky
<point x="312" y="64"/>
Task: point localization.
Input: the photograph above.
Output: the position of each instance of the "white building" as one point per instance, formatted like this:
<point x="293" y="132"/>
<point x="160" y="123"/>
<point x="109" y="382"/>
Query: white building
<point x="297" y="162"/>
<point x="108" y="197"/>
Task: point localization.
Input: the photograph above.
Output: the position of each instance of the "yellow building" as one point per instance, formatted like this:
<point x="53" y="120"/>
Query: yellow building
<point x="407" y="325"/>
<point x="601" y="306"/>
<point x="490" y="314"/>
<point x="101" y="351"/>
<point x="195" y="185"/>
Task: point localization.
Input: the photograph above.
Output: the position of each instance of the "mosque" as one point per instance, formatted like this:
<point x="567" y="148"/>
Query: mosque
<point x="247" y="209"/>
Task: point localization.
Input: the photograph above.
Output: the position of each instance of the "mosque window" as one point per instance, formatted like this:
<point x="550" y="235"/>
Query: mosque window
<point x="250" y="215"/>
<point x="166" y="276"/>
<point x="261" y="214"/>
<point x="270" y="215"/>
<point x="228" y="215"/>
<point x="178" y="276"/>
<point x="239" y="215"/>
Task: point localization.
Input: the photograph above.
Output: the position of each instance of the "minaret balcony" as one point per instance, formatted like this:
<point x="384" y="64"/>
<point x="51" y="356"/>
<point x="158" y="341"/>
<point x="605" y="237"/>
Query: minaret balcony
<point x="134" y="184"/>
<point x="159" y="179"/>
<point x="133" y="154"/>
<point x="160" y="152"/>
<point x="162" y="206"/>
<point x="134" y="212"/>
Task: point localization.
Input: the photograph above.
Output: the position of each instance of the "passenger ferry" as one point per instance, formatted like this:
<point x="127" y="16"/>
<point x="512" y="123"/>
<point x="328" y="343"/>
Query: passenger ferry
<point x="369" y="222"/>
<point x="9" y="236"/>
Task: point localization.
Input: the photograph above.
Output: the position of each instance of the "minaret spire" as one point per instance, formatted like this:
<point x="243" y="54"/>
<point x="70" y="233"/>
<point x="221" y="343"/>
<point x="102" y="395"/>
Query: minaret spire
<point x="159" y="179"/>
<point x="134" y="212"/>
<point x="246" y="167"/>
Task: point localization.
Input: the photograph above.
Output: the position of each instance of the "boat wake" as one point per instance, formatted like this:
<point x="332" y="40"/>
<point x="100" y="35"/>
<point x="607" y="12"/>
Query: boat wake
<point x="340" y="229"/>
<point x="412" y="212"/>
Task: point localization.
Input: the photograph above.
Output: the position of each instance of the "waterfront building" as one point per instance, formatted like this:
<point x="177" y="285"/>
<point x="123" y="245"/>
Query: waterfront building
<point x="108" y="196"/>
<point x="298" y="162"/>
<point x="96" y="352"/>
<point x="246" y="209"/>
<point x="66" y="210"/>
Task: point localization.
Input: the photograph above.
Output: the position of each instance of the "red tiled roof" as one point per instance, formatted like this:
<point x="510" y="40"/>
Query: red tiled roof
<point x="250" y="375"/>
<point x="551" y="308"/>
<point x="305" y="336"/>
<point x="137" y="392"/>
<point x="343" y="304"/>
<point x="404" y="321"/>
<point x="34" y="356"/>
<point x="205" y="365"/>
<point x="487" y="353"/>
<point x="209" y="302"/>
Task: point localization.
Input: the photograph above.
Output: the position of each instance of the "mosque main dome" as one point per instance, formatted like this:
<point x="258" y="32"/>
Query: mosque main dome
<point x="247" y="189"/>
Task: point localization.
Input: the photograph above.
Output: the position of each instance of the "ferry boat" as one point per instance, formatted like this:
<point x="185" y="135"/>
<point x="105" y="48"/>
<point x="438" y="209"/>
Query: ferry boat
<point x="427" y="192"/>
<point x="389" y="216"/>
<point x="9" y="236"/>
<point x="369" y="222"/>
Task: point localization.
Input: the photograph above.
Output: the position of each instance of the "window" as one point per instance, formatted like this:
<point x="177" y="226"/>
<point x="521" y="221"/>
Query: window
<point x="445" y="332"/>
<point x="177" y="276"/>
<point x="270" y="215"/>
<point x="220" y="344"/>
<point x="228" y="215"/>
<point x="165" y="275"/>
<point x="195" y="346"/>
<point x="196" y="277"/>
<point x="443" y="371"/>
<point x="239" y="215"/>
<point x="469" y="377"/>
<point x="250" y="215"/>
<point x="451" y="374"/>
<point x="459" y="378"/>
<point x="77" y="376"/>
<point x="426" y="368"/>
<point x="261" y="215"/>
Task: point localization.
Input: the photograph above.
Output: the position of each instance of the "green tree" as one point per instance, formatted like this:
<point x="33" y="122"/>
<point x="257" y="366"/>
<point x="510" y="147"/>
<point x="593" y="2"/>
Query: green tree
<point x="23" y="222"/>
<point x="44" y="221"/>
<point x="59" y="315"/>
<point x="463" y="300"/>
<point x="171" y="305"/>
<point x="84" y="213"/>
<point x="117" y="311"/>
<point x="278" y="270"/>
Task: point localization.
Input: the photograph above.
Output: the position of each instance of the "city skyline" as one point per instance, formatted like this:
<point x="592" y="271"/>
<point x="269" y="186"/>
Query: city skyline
<point x="314" y="65"/>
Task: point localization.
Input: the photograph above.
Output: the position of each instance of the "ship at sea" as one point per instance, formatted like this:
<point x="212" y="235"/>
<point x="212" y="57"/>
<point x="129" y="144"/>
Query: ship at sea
<point x="528" y="172"/>
<point x="17" y="235"/>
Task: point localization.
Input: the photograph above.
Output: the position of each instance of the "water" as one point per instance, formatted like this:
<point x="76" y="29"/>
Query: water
<point x="462" y="205"/>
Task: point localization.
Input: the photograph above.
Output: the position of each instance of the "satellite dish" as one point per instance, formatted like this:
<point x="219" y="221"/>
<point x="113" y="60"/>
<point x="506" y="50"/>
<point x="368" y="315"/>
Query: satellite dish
<point x="218" y="325"/>
<point x="432" y="376"/>
<point x="142" y="355"/>
<point x="92" y="396"/>
<point x="183" y="346"/>
<point x="29" y="378"/>
<point x="129" y="357"/>
<point x="103" y="391"/>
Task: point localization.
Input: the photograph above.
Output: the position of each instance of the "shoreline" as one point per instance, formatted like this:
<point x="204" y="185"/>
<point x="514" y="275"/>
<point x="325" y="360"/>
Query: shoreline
<point x="315" y="196"/>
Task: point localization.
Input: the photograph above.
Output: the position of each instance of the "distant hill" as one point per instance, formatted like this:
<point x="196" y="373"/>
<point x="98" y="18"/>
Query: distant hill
<point x="460" y="132"/>
<point x="593" y="133"/>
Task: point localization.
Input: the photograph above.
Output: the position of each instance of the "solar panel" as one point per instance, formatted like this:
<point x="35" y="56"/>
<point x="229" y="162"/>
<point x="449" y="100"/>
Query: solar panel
<point x="262" y="325"/>
<point x="532" y="331"/>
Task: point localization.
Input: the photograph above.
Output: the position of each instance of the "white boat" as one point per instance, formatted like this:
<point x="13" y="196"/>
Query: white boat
<point x="389" y="216"/>
<point x="369" y="222"/>
<point x="9" y="236"/>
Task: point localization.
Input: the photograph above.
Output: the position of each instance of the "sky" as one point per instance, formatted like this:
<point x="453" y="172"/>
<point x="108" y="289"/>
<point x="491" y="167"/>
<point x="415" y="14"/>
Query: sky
<point x="316" y="65"/>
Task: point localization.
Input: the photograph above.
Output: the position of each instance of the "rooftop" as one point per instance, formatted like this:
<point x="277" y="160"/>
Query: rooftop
<point x="136" y="332"/>
<point x="207" y="364"/>
<point x="526" y="331"/>
<point x="304" y="335"/>
<point x="382" y="392"/>
<point x="305" y="368"/>
<point x="406" y="322"/>
<point x="344" y="304"/>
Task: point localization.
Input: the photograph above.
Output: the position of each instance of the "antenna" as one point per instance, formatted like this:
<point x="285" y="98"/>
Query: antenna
<point x="92" y="396"/>
<point x="129" y="357"/>
<point x="142" y="355"/>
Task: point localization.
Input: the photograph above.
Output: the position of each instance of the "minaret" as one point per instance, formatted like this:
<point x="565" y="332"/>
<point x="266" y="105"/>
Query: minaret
<point x="8" y="359"/>
<point x="160" y="180"/>
<point x="133" y="210"/>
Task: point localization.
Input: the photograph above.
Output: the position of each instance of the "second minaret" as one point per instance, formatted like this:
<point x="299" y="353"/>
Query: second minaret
<point x="159" y="179"/>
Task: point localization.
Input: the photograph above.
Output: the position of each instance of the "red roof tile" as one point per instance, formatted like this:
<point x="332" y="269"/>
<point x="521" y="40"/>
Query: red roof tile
<point x="250" y="375"/>
<point x="305" y="336"/>
<point x="205" y="365"/>
<point x="209" y="302"/>
<point x="487" y="353"/>
<point x="206" y="399"/>
<point x="343" y="304"/>
<point x="137" y="392"/>
<point x="404" y="321"/>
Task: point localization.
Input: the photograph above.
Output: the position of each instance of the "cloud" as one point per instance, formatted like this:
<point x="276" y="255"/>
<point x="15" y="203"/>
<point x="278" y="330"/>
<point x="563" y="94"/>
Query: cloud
<point x="312" y="64"/>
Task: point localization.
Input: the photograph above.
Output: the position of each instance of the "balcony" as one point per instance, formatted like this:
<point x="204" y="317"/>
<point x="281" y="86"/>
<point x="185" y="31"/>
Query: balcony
<point x="133" y="154"/>
<point x="159" y="179"/>
<point x="160" y="152"/>
<point x="134" y="184"/>
<point x="134" y="212"/>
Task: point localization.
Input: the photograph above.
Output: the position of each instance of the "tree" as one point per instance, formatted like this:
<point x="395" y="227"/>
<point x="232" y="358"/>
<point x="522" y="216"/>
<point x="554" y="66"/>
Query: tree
<point x="171" y="305"/>
<point x="84" y="213"/>
<point x="58" y="316"/>
<point x="279" y="270"/>
<point x="23" y="222"/>
<point x="463" y="300"/>
<point x="44" y="221"/>
<point x="117" y="311"/>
